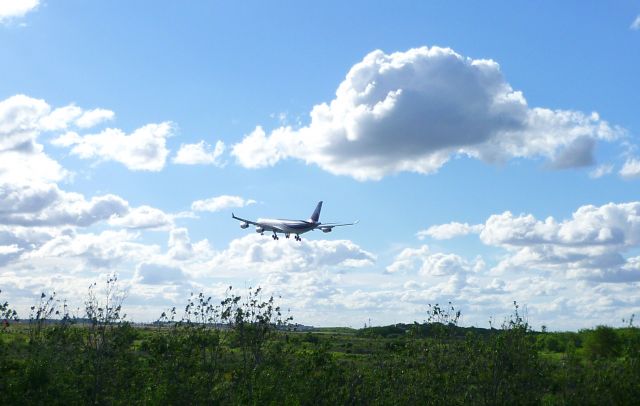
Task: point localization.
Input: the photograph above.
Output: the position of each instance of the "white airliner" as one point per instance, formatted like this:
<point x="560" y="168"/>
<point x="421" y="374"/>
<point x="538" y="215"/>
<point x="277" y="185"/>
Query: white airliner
<point x="288" y="227"/>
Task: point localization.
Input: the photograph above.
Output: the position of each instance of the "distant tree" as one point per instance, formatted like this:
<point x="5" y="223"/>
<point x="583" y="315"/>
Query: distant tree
<point x="603" y="342"/>
<point x="554" y="344"/>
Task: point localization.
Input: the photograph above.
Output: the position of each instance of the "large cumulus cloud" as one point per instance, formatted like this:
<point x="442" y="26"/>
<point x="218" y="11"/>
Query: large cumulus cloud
<point x="411" y="111"/>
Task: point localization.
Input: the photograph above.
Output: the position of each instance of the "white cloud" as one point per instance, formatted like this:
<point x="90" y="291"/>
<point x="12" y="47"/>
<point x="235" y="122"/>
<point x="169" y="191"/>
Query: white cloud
<point x="180" y="246"/>
<point x="277" y="265"/>
<point x="635" y="25"/>
<point x="441" y="264"/>
<point x="199" y="154"/>
<point x="27" y="237"/>
<point x="218" y="203"/>
<point x="323" y="282"/>
<point x="448" y="231"/>
<point x="411" y="111"/>
<point x="143" y="150"/>
<point x="601" y="171"/>
<point x="432" y="264"/>
<point x="22" y="159"/>
<point x="306" y="273"/>
<point x="22" y="120"/>
<point x="94" y="117"/>
<point x="60" y="118"/>
<point x="266" y="255"/>
<point x="407" y="259"/>
<point x="44" y="204"/>
<point x="16" y="8"/>
<point x="85" y="252"/>
<point x="30" y="166"/>
<point x="631" y="168"/>
<point x="142" y="217"/>
<point x="610" y="225"/>
<point x="257" y="150"/>
<point x="590" y="245"/>
<point x="9" y="249"/>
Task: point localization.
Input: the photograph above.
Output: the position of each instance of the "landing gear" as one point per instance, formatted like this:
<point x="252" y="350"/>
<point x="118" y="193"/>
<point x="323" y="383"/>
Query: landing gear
<point x="275" y="237"/>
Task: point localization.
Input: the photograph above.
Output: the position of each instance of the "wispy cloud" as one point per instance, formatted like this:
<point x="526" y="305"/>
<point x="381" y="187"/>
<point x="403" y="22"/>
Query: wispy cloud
<point x="631" y="168"/>
<point x="449" y="230"/>
<point x="601" y="171"/>
<point x="635" y="25"/>
<point x="220" y="203"/>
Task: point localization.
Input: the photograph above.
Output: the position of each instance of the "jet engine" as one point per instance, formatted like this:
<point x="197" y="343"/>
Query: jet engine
<point x="326" y="230"/>
<point x="259" y="230"/>
<point x="244" y="225"/>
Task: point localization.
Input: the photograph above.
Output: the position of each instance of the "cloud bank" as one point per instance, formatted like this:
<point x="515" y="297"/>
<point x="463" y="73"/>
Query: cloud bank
<point x="591" y="245"/>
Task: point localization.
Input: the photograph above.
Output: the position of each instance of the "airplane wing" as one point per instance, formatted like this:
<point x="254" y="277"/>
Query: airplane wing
<point x="339" y="224"/>
<point x="327" y="227"/>
<point x="264" y="227"/>
<point x="246" y="221"/>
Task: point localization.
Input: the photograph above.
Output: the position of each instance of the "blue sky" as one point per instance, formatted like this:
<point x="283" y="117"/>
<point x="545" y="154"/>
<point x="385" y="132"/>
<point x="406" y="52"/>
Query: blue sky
<point x="489" y="150"/>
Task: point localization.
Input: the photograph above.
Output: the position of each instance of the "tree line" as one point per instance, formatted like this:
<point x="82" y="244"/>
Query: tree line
<point x="242" y="349"/>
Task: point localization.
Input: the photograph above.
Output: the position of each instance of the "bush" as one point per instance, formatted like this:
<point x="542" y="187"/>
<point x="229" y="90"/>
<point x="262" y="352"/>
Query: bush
<point x="553" y="343"/>
<point x="603" y="342"/>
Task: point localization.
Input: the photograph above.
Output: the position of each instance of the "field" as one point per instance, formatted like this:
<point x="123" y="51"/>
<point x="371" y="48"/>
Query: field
<point x="242" y="351"/>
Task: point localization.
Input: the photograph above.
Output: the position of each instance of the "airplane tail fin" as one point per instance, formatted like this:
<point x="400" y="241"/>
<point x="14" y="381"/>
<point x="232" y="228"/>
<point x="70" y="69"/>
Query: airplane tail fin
<point x="316" y="213"/>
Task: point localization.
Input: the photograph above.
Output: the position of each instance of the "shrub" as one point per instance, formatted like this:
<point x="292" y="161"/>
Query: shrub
<point x="603" y="342"/>
<point x="553" y="343"/>
<point x="7" y="315"/>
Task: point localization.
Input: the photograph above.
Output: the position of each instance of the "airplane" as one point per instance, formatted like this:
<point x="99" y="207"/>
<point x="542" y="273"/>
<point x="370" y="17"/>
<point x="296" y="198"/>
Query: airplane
<point x="288" y="227"/>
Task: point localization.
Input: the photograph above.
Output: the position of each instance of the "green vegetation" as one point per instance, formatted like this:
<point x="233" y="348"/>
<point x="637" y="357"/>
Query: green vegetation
<point x="242" y="350"/>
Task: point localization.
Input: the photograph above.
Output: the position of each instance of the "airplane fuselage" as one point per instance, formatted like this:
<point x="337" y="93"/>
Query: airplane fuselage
<point x="287" y="226"/>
